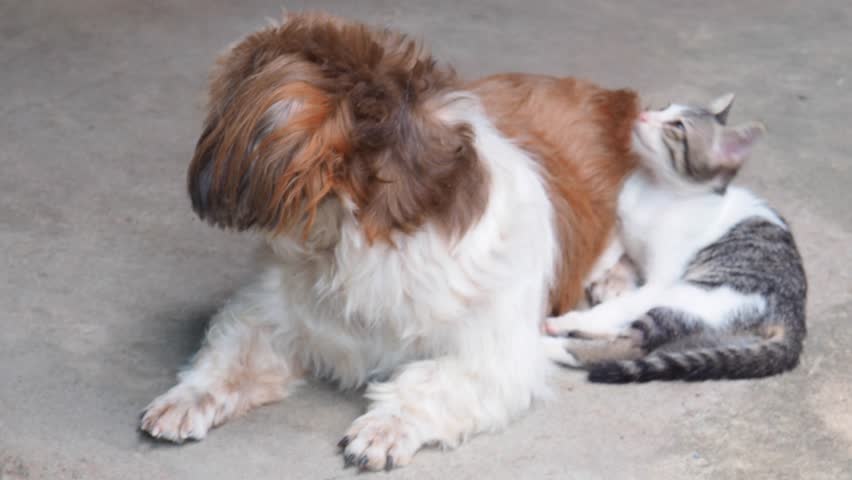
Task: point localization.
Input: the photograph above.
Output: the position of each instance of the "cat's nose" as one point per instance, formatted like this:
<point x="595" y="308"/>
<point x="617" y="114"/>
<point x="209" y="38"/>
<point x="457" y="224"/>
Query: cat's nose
<point x="643" y="117"/>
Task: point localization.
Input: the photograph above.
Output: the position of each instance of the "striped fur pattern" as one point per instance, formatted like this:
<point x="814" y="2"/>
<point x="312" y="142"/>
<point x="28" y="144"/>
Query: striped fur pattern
<point x="755" y="257"/>
<point x="724" y="287"/>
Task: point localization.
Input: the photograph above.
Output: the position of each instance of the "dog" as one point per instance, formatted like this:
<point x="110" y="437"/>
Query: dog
<point x="420" y="229"/>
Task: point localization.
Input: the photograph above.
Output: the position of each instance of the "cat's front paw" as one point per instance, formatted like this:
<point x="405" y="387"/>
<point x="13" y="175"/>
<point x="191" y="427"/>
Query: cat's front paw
<point x="379" y="440"/>
<point x="618" y="280"/>
<point x="584" y="324"/>
<point x="602" y="290"/>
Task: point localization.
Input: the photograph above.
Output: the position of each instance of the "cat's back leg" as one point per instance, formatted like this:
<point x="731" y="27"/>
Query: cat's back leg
<point x="685" y="315"/>
<point x="576" y="352"/>
<point x="608" y="319"/>
<point x="657" y="328"/>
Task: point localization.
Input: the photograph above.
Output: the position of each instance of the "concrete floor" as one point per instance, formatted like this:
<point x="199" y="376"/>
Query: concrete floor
<point x="108" y="277"/>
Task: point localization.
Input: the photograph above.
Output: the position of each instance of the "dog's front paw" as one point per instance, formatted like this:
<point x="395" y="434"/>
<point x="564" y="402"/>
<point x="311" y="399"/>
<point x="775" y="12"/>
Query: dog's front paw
<point x="180" y="414"/>
<point x="379" y="440"/>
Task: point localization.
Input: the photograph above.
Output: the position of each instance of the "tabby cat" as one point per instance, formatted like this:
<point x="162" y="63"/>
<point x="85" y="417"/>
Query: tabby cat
<point x="723" y="289"/>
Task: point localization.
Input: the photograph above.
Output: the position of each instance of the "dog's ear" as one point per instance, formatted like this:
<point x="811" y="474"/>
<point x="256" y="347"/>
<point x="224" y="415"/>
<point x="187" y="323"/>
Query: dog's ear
<point x="430" y="172"/>
<point x="270" y="148"/>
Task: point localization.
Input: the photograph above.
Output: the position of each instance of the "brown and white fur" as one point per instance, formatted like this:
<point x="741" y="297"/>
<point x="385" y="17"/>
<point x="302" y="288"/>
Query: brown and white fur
<point x="420" y="231"/>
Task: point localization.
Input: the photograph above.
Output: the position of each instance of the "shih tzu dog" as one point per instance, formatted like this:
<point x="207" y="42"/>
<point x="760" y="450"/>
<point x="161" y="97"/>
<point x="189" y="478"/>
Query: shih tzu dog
<point x="421" y="229"/>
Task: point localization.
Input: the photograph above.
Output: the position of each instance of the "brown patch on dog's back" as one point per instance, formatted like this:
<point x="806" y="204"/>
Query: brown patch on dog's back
<point x="581" y="134"/>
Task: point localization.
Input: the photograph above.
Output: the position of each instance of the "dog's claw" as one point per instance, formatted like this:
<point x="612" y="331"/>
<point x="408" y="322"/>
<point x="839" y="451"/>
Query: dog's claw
<point x="343" y="442"/>
<point x="348" y="460"/>
<point x="363" y="461"/>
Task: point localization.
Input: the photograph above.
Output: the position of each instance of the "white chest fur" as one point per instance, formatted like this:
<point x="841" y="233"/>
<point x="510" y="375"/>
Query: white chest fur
<point x="362" y="309"/>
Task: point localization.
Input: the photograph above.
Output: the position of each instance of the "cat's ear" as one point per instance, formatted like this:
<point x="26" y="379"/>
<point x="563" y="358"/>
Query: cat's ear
<point x="721" y="106"/>
<point x="734" y="144"/>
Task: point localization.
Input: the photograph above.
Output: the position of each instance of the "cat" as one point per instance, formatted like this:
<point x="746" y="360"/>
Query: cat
<point x="723" y="288"/>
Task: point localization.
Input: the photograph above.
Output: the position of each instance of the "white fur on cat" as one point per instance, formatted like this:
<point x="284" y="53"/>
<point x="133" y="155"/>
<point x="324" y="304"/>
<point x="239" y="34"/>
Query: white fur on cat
<point x="663" y="222"/>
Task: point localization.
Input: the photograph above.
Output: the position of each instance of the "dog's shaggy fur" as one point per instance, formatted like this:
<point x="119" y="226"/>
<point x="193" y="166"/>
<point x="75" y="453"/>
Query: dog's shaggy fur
<point x="420" y="230"/>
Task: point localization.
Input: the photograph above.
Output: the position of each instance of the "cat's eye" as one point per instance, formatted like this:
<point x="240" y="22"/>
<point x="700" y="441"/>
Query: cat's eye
<point x="675" y="130"/>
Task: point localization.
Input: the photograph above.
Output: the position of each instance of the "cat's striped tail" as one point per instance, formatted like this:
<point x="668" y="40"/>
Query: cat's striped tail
<point x="774" y="354"/>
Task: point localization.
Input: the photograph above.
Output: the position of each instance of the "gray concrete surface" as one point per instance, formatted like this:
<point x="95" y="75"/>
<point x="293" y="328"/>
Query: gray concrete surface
<point x="107" y="277"/>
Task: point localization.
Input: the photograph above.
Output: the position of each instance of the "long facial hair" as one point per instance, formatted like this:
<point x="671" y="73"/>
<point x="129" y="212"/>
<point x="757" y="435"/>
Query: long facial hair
<point x="321" y="108"/>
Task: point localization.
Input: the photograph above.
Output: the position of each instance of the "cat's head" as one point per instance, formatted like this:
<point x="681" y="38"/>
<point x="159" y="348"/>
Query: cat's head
<point x="692" y="146"/>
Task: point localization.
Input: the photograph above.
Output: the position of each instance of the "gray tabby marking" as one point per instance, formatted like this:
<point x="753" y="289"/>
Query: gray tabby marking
<point x="755" y="257"/>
